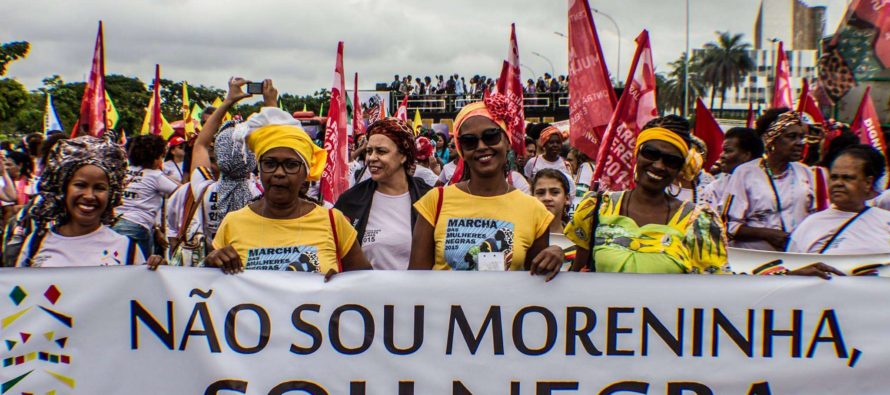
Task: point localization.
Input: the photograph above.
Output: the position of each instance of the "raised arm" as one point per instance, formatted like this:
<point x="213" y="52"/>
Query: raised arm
<point x="201" y="151"/>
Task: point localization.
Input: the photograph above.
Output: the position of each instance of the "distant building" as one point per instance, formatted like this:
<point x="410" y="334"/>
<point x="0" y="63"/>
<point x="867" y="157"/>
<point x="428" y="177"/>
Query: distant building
<point x="800" y="28"/>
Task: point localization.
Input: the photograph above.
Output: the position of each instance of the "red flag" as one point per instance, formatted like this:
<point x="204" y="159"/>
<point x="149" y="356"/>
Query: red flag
<point x="92" y="106"/>
<point x="807" y="105"/>
<point x="334" y="176"/>
<point x="751" y="118"/>
<point x="707" y="129"/>
<point x="821" y="189"/>
<point x="358" y="122"/>
<point x="510" y="86"/>
<point x="402" y="112"/>
<point x="867" y="125"/>
<point x="592" y="101"/>
<point x="156" y="123"/>
<point x="615" y="159"/>
<point x="782" y="90"/>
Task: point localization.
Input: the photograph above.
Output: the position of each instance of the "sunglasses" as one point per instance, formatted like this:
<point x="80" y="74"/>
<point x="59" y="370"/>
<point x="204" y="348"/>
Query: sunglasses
<point x="469" y="142"/>
<point x="654" y="154"/>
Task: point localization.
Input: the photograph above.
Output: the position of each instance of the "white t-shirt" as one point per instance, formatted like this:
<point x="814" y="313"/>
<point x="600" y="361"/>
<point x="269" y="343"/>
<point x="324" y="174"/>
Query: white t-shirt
<point x="519" y="182"/>
<point x="538" y="163"/>
<point x="355" y="167"/>
<point x="387" y="239"/>
<point x="447" y="172"/>
<point x="428" y="176"/>
<point x="102" y="247"/>
<point x="174" y="210"/>
<point x="174" y="171"/>
<point x="713" y="194"/>
<point x="209" y="214"/>
<point x="868" y="234"/>
<point x="144" y="195"/>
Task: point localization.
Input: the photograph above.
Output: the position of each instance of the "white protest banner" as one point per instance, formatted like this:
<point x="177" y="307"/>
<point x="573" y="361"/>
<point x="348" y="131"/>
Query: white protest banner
<point x="755" y="262"/>
<point x="117" y="330"/>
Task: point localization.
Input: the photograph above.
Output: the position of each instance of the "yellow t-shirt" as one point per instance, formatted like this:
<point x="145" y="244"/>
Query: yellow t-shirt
<point x="304" y="244"/>
<point x="483" y="233"/>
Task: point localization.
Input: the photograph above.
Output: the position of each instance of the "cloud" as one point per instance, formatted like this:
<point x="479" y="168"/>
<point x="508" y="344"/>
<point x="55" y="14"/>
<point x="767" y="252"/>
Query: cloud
<point x="294" y="41"/>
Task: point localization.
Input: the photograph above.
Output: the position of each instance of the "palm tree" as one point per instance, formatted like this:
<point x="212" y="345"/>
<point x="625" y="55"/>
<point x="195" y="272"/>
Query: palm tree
<point x="725" y="64"/>
<point x="671" y="85"/>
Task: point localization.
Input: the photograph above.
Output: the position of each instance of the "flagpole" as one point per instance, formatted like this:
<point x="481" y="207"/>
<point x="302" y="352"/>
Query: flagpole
<point x="618" y="56"/>
<point x="686" y="67"/>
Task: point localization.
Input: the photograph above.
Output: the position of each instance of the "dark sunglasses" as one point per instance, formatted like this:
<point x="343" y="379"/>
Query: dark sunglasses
<point x="469" y="142"/>
<point x="669" y="160"/>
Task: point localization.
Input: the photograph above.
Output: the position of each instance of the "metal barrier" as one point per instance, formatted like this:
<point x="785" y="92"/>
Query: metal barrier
<point x="542" y="101"/>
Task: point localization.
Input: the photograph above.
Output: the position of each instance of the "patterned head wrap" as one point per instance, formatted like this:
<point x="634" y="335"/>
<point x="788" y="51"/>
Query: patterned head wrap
<point x="481" y="109"/>
<point x="424" y="148"/>
<point x="235" y="167"/>
<point x="401" y="134"/>
<point x="547" y="132"/>
<point x="65" y="159"/>
<point x="780" y="125"/>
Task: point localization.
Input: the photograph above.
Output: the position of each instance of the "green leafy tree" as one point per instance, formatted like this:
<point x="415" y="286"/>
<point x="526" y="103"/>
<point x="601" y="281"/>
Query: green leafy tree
<point x="10" y="52"/>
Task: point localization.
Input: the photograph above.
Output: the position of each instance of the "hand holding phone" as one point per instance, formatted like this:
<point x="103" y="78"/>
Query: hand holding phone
<point x="254" y="88"/>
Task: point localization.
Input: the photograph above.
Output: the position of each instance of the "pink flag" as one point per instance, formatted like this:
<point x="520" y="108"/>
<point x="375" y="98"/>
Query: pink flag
<point x="807" y="105"/>
<point x="358" y="122"/>
<point x="751" y="118"/>
<point x="867" y="125"/>
<point x="782" y="91"/>
<point x="402" y="112"/>
<point x="334" y="177"/>
<point x="615" y="159"/>
<point x="510" y="86"/>
<point x="92" y="106"/>
<point x="707" y="129"/>
<point x="592" y="101"/>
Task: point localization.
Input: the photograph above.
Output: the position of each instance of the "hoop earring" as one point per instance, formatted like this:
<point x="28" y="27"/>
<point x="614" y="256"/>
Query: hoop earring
<point x="673" y="195"/>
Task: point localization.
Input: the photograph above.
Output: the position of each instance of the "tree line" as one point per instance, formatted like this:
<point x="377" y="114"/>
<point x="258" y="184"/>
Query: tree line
<point x="22" y="111"/>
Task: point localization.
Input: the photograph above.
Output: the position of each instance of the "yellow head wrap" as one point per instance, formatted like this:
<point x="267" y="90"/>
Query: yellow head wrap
<point x="268" y="137"/>
<point x="694" y="160"/>
<point x="471" y="110"/>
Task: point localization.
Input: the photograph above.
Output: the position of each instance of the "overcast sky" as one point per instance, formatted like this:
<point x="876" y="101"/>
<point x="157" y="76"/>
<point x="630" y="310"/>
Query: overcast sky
<point x="294" y="41"/>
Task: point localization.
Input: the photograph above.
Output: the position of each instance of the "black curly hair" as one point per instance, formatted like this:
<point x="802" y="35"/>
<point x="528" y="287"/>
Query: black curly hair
<point x="144" y="150"/>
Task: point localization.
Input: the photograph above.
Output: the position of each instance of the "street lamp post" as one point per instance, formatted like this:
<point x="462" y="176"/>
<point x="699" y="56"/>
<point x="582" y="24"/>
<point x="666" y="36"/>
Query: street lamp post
<point x="686" y="68"/>
<point x="534" y="75"/>
<point x="617" y="29"/>
<point x="552" y="70"/>
<point x="769" y="92"/>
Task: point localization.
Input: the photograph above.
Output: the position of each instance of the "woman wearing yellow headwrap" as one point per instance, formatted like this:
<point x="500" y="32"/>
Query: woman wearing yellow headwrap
<point x="483" y="222"/>
<point x="282" y="231"/>
<point x="646" y="230"/>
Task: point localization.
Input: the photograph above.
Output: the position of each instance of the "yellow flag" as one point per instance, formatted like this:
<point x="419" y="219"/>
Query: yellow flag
<point x="218" y="103"/>
<point x="187" y="111"/>
<point x="166" y="129"/>
<point x="417" y="122"/>
<point x="304" y="107"/>
<point x="111" y="115"/>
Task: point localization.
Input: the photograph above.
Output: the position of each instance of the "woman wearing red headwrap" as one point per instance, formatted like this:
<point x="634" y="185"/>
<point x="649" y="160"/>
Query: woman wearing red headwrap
<point x="426" y="162"/>
<point x="380" y="208"/>
<point x="482" y="222"/>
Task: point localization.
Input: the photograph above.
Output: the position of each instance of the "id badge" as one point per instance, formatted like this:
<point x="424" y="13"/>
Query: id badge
<point x="491" y="261"/>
